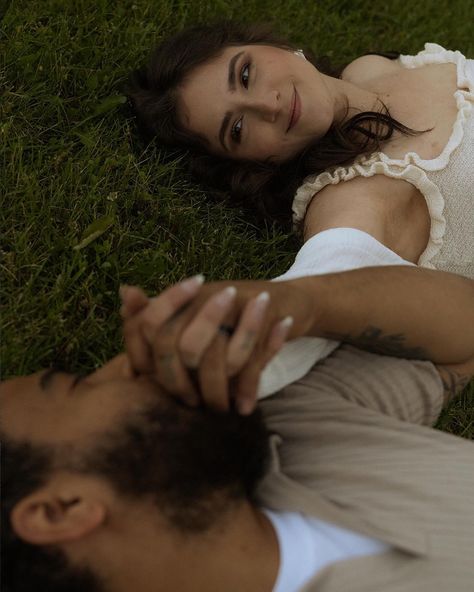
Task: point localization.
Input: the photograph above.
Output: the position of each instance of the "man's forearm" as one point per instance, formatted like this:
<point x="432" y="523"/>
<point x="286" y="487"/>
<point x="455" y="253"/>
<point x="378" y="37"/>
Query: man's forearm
<point x="401" y="311"/>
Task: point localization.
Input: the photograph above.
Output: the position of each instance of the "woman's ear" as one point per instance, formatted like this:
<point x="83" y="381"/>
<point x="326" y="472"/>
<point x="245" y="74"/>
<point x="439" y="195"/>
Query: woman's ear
<point x="299" y="53"/>
<point x="67" y="508"/>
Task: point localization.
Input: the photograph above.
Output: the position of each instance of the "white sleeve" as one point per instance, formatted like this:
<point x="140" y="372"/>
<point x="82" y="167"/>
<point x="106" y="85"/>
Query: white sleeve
<point x="333" y="250"/>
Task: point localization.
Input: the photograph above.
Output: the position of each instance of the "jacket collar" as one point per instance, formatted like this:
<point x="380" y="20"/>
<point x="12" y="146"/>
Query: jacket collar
<point x="281" y="493"/>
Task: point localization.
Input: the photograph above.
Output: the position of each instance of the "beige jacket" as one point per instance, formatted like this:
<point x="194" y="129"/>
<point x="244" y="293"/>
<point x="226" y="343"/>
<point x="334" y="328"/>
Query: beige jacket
<point x="353" y="445"/>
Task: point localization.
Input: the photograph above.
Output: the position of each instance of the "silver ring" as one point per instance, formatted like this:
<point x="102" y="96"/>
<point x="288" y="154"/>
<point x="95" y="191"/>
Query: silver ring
<point x="226" y="330"/>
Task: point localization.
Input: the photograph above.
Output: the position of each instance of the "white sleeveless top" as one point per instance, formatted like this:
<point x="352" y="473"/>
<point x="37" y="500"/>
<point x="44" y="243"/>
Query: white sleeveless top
<point x="446" y="182"/>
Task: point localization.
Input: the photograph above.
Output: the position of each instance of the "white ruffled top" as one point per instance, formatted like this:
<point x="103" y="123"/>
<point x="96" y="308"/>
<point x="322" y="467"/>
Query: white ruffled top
<point x="446" y="182"/>
<point x="449" y="193"/>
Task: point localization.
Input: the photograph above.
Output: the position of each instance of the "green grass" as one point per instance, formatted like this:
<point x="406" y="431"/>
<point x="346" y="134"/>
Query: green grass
<point x="70" y="158"/>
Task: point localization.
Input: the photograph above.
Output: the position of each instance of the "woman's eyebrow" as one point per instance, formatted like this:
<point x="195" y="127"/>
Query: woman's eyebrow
<point x="231" y="72"/>
<point x="231" y="85"/>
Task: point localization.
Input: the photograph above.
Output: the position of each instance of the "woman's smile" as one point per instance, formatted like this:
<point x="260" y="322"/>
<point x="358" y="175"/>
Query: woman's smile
<point x="295" y="111"/>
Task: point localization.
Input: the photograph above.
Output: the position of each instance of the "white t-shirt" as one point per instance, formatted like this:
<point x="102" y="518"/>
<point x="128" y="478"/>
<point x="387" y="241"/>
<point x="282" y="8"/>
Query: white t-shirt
<point x="307" y="545"/>
<point x="330" y="251"/>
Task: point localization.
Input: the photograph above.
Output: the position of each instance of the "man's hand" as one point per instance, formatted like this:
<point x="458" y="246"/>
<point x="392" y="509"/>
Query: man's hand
<point x="214" y="340"/>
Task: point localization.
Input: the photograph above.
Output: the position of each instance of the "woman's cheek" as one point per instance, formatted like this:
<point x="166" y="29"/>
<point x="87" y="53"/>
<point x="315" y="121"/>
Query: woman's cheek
<point x="272" y="145"/>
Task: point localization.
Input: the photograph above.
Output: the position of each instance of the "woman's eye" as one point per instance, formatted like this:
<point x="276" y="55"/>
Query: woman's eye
<point x="245" y="75"/>
<point x="236" y="131"/>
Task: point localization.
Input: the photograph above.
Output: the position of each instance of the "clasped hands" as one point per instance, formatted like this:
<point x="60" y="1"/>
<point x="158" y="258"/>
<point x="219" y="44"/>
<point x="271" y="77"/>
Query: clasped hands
<point x="208" y="343"/>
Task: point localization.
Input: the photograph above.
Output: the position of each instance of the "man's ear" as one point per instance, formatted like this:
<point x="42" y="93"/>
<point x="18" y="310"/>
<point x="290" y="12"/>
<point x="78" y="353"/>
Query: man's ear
<point x="67" y="508"/>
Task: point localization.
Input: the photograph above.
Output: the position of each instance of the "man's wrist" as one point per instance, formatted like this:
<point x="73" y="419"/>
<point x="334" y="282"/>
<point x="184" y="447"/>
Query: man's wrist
<point x="311" y="305"/>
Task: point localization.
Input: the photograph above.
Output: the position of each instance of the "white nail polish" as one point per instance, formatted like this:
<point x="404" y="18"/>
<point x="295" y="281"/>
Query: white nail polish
<point x="263" y="298"/>
<point x="287" y="323"/>
<point x="226" y="296"/>
<point x="193" y="282"/>
<point x="198" y="279"/>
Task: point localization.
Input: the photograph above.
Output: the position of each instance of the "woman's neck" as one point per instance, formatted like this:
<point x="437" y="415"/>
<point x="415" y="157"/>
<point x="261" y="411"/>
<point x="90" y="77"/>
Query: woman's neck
<point x="350" y="99"/>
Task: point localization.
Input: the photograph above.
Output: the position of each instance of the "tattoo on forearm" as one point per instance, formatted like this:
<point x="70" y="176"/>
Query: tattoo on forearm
<point x="374" y="340"/>
<point x="453" y="382"/>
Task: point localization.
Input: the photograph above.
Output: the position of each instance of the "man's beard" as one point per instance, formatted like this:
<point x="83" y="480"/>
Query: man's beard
<point x="194" y="462"/>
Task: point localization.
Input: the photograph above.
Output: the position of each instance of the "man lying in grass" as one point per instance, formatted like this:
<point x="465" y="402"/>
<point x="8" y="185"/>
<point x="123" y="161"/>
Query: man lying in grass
<point x="337" y="482"/>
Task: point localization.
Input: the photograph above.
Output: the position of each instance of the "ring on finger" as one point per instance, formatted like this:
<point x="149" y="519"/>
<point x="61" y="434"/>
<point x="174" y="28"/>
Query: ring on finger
<point x="226" y="330"/>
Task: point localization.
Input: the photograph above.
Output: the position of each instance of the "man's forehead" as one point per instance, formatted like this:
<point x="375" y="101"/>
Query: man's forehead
<point x="21" y="404"/>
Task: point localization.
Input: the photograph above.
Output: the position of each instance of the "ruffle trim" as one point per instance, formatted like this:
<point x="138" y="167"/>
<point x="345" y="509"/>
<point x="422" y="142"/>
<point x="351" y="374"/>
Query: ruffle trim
<point x="435" y="54"/>
<point x="380" y="163"/>
<point x="412" y="174"/>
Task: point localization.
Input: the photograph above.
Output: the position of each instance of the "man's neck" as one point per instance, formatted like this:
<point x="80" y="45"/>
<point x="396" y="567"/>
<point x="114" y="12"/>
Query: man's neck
<point x="241" y="553"/>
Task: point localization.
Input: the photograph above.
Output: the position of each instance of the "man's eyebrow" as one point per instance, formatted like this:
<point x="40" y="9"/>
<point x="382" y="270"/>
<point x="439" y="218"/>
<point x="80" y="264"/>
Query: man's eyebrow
<point x="231" y="85"/>
<point x="47" y="377"/>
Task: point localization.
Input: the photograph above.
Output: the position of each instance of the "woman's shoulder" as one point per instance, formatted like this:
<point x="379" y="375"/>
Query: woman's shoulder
<point x="368" y="67"/>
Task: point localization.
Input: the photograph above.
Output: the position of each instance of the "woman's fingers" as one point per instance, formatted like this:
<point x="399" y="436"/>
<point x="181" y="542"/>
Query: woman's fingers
<point x="247" y="388"/>
<point x="202" y="330"/>
<point x="212" y="375"/>
<point x="164" y="338"/>
<point x="163" y="307"/>
<point x="169" y="370"/>
<point x="249" y="378"/>
<point x="143" y="321"/>
<point x="247" y="334"/>
<point x="276" y="339"/>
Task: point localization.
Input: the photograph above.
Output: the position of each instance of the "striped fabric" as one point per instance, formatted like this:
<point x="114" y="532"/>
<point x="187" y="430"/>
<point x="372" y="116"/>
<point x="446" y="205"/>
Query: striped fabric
<point x="353" y="445"/>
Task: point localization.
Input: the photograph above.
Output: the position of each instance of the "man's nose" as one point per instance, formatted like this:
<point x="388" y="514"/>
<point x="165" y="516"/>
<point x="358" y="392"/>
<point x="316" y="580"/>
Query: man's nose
<point x="267" y="105"/>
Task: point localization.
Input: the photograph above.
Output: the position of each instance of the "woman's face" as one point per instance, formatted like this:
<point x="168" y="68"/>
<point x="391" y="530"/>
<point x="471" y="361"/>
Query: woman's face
<point x="257" y="102"/>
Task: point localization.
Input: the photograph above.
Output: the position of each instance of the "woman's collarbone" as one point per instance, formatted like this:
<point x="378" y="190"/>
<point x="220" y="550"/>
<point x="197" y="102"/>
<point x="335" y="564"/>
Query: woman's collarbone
<point x="424" y="101"/>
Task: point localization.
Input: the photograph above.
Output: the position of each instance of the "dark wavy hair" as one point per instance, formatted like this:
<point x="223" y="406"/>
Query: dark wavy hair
<point x="265" y="188"/>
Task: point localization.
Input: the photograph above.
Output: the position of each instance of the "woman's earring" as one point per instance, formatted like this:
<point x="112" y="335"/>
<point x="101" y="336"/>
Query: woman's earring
<point x="299" y="53"/>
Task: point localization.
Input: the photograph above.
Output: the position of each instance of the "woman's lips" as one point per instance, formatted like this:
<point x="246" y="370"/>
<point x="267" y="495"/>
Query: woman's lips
<point x="295" y="110"/>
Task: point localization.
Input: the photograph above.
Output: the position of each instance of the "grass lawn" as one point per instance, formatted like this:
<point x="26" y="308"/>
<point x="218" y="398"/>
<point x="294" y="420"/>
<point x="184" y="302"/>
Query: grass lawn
<point x="85" y="207"/>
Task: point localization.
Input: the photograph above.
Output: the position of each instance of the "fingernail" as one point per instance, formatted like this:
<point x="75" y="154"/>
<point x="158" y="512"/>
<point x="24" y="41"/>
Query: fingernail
<point x="123" y="289"/>
<point x="262" y="299"/>
<point x="226" y="296"/>
<point x="260" y="306"/>
<point x="286" y="324"/>
<point x="193" y="282"/>
<point x="244" y="407"/>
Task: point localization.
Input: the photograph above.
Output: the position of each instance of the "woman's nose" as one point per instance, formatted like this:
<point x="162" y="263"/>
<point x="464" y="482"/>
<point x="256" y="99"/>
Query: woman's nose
<point x="267" y="106"/>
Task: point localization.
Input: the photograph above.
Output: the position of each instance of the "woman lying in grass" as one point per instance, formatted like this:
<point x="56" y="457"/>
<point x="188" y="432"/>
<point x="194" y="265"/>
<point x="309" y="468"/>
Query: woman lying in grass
<point x="372" y="163"/>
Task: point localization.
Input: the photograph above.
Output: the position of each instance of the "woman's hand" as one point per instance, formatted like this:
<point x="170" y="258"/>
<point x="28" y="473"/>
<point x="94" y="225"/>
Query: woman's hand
<point x="183" y="337"/>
